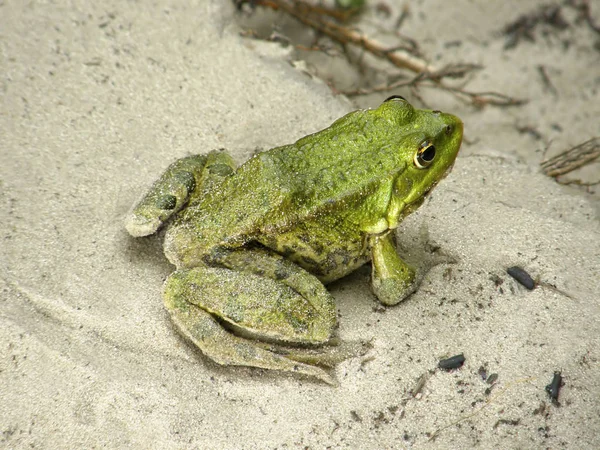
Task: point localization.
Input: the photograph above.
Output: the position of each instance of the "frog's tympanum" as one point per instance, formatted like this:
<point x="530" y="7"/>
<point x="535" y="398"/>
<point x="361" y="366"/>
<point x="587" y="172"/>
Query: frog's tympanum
<point x="255" y="245"/>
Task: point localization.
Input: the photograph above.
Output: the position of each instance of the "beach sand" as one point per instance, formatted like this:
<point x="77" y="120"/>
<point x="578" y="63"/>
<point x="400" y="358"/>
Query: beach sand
<point x="97" y="100"/>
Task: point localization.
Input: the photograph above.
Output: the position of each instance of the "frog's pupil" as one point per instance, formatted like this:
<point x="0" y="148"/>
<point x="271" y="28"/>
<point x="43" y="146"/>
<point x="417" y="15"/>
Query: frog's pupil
<point x="428" y="154"/>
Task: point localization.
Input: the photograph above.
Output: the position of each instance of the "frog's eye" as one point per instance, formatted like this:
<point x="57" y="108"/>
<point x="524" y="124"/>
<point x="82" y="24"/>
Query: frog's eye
<point x="425" y="155"/>
<point x="394" y="97"/>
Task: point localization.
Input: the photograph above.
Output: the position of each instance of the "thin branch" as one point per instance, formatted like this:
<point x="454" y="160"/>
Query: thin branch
<point x="583" y="6"/>
<point x="305" y="13"/>
<point x="433" y="80"/>
<point x="323" y="21"/>
<point x="524" y="26"/>
<point x="572" y="159"/>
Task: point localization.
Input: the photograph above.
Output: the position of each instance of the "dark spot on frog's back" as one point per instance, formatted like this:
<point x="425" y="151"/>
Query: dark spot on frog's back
<point x="309" y="261"/>
<point x="281" y="273"/>
<point x="166" y="202"/>
<point x="298" y="323"/>
<point x="241" y="216"/>
<point x="186" y="179"/>
<point x="339" y="255"/>
<point x="287" y="250"/>
<point x="304" y="238"/>
<point x="220" y="169"/>
<point x="317" y="247"/>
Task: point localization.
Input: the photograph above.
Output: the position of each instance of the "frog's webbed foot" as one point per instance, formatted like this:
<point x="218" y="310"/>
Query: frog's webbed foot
<point x="392" y="279"/>
<point x="329" y="355"/>
<point x="184" y="181"/>
<point x="257" y="309"/>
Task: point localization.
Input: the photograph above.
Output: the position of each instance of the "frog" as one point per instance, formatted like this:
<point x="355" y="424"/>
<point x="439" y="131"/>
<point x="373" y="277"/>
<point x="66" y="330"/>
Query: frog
<point x="254" y="246"/>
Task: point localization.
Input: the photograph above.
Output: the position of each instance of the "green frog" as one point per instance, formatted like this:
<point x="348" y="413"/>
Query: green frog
<point x="255" y="245"/>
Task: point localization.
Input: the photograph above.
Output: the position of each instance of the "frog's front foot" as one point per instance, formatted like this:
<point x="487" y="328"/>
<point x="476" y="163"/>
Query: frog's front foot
<point x="183" y="180"/>
<point x="392" y="279"/>
<point x="391" y="291"/>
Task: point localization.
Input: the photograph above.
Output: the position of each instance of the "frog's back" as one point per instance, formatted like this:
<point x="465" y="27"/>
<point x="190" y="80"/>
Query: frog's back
<point x="277" y="189"/>
<point x="292" y="183"/>
<point x="335" y="162"/>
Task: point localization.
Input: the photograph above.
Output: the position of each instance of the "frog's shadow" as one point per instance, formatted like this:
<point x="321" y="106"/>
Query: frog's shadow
<point x="147" y="251"/>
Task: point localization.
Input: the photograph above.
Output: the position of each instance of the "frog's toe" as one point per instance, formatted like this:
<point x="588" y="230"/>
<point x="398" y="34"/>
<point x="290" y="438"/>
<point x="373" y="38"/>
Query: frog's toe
<point x="391" y="291"/>
<point x="330" y="355"/>
<point x="138" y="225"/>
<point x="182" y="180"/>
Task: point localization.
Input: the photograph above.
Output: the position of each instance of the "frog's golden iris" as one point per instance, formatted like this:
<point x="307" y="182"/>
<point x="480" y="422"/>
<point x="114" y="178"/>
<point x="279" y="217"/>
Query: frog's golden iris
<point x="254" y="245"/>
<point x="425" y="155"/>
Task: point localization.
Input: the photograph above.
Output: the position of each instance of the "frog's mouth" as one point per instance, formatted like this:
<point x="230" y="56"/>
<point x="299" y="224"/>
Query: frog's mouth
<point x="415" y="202"/>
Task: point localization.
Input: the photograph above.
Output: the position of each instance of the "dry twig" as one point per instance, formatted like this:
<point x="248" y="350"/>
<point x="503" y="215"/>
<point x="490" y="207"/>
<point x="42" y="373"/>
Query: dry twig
<point x="305" y="13"/>
<point x="434" y="80"/>
<point x="524" y="26"/>
<point x="572" y="159"/>
<point x="326" y="21"/>
<point x="583" y="6"/>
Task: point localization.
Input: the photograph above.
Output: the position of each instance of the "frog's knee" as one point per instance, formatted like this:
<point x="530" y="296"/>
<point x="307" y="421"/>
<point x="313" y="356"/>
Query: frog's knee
<point x="253" y="305"/>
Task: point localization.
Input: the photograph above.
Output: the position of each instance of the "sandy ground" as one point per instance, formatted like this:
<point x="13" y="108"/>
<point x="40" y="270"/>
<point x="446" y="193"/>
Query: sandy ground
<point x="97" y="100"/>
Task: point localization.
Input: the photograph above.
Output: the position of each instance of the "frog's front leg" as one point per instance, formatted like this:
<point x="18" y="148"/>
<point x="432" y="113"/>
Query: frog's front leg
<point x="392" y="279"/>
<point x="236" y="313"/>
<point x="184" y="181"/>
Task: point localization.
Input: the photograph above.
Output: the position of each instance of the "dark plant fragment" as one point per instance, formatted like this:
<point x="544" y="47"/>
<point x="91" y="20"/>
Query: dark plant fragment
<point x="521" y="276"/>
<point x="524" y="26"/>
<point x="453" y="362"/>
<point x="553" y="388"/>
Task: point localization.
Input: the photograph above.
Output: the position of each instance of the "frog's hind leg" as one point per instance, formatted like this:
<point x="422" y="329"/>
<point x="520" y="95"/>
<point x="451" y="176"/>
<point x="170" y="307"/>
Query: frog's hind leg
<point x="184" y="181"/>
<point x="191" y="295"/>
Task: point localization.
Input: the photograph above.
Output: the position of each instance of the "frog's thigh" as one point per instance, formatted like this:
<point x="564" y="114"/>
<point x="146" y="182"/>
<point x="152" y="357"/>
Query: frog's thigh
<point x="184" y="290"/>
<point x="392" y="279"/>
<point x="183" y="181"/>
<point x="317" y="303"/>
<point x="251" y="304"/>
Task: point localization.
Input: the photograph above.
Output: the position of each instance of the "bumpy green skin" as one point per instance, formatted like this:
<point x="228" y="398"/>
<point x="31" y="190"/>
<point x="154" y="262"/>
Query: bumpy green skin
<point x="254" y="245"/>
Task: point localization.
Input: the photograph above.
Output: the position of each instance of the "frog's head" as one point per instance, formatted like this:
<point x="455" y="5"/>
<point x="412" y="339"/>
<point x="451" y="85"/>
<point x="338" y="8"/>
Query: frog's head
<point x="426" y="142"/>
